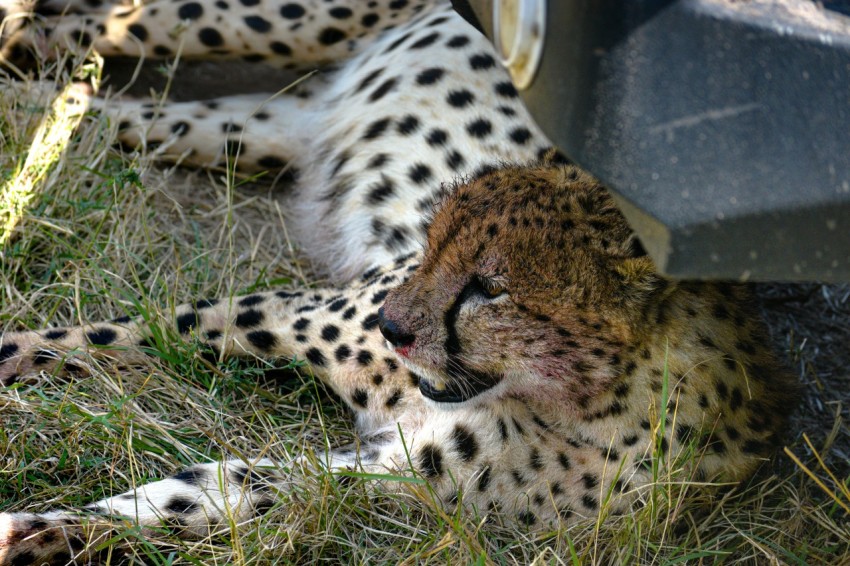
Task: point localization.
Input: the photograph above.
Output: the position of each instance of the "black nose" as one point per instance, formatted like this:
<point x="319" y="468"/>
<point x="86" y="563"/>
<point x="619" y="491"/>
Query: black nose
<point x="391" y="331"/>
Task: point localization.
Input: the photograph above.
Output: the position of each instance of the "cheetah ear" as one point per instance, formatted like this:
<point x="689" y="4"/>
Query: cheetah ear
<point x="637" y="270"/>
<point x="639" y="278"/>
<point x="637" y="249"/>
<point x="553" y="157"/>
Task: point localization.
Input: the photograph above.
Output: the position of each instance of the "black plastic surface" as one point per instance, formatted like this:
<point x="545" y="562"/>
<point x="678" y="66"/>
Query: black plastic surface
<point x="722" y="127"/>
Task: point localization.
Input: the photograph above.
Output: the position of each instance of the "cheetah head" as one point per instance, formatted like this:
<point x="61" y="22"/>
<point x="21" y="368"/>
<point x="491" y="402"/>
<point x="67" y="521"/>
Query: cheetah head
<point x="531" y="285"/>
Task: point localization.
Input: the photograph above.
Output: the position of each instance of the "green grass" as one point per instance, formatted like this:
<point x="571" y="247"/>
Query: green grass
<point x="97" y="234"/>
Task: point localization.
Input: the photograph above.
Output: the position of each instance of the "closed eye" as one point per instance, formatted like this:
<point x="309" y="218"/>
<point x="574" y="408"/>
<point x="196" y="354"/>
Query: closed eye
<point x="490" y="287"/>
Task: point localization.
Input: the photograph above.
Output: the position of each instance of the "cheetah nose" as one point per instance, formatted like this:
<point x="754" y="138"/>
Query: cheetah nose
<point x="391" y="331"/>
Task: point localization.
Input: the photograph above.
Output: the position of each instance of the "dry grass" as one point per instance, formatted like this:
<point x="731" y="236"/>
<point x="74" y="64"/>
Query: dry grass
<point x="97" y="233"/>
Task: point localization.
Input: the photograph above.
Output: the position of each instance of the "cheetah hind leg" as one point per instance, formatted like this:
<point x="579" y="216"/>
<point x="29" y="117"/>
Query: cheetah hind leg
<point x="252" y="133"/>
<point x="292" y="35"/>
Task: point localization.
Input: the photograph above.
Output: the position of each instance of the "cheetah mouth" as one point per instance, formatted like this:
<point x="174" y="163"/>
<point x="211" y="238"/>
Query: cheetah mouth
<point x="458" y="391"/>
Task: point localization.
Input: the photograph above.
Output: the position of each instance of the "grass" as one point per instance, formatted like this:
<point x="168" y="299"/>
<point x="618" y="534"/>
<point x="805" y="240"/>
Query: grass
<point x="91" y="233"/>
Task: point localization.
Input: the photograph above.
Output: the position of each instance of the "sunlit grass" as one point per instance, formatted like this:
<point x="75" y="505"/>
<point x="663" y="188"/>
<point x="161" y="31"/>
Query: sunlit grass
<point x="36" y="157"/>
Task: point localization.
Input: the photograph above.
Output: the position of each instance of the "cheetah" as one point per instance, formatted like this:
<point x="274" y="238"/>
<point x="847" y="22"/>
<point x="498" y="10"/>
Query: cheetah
<point x="496" y="330"/>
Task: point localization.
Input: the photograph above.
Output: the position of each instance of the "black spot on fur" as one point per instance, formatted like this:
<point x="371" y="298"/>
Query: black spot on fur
<point x="518" y="478"/>
<point x="376" y="128"/>
<point x="138" y="30"/>
<point x="482" y="61"/>
<point x="205" y="303"/>
<point x="430" y="461"/>
<point x="457" y="41"/>
<point x="437" y="136"/>
<point x="460" y="98"/>
<point x="101" y="336"/>
<point x="42" y="357"/>
<point x="455" y="160"/>
<point x="520" y="135"/>
<point x="187" y="321"/>
<point x="280" y="48"/>
<point x="408" y="125"/>
<point x="258" y="24"/>
<point x="270" y="162"/>
<point x="233" y="147"/>
<point x="292" y="11"/>
<point x="360" y="397"/>
<point x="181" y="505"/>
<point x="249" y="478"/>
<point x="484" y="479"/>
<point x="25" y="558"/>
<point x="55" y="334"/>
<point x="7" y="351"/>
<point x="383" y="89"/>
<point x="506" y="89"/>
<point x="380" y="192"/>
<point x="479" y="128"/>
<point x="340" y="13"/>
<point x="262" y="340"/>
<point x="425" y="41"/>
<point x="210" y="37"/>
<point x="190" y="11"/>
<point x="364" y="357"/>
<point x="590" y="481"/>
<point x="736" y="400"/>
<point x="419" y="173"/>
<point x="394" y="398"/>
<point x="430" y="76"/>
<point x="465" y="443"/>
<point x="535" y="460"/>
<point x="342" y="353"/>
<point x="180" y="128"/>
<point x="249" y="318"/>
<point x="330" y="333"/>
<point x="371" y="321"/>
<point x="316" y="357"/>
<point x="369" y="79"/>
<point x="191" y="476"/>
<point x="378" y="160"/>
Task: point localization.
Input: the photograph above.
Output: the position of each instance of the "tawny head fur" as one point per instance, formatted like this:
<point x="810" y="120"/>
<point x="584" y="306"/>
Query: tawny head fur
<point x="532" y="282"/>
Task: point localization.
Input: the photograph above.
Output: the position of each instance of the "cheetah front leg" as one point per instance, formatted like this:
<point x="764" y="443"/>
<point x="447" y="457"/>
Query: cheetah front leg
<point x="251" y="133"/>
<point x="194" y="503"/>
<point x="334" y="331"/>
<point x="292" y="35"/>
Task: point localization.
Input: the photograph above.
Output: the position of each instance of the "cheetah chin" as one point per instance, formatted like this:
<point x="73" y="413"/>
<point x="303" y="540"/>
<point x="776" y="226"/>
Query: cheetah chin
<point x="454" y="391"/>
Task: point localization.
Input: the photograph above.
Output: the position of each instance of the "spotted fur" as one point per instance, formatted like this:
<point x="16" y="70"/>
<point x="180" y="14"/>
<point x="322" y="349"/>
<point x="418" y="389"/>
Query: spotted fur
<point x="528" y="361"/>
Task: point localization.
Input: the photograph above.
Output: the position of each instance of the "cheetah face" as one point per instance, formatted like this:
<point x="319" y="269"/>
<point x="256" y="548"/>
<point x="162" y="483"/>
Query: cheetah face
<point x="530" y="286"/>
